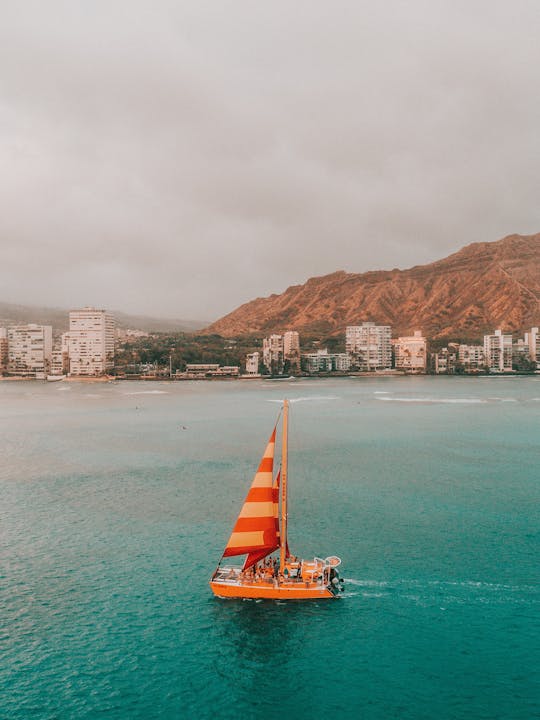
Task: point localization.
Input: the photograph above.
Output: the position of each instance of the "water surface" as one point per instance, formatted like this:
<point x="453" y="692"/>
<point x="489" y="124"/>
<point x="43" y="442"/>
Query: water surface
<point x="117" y="500"/>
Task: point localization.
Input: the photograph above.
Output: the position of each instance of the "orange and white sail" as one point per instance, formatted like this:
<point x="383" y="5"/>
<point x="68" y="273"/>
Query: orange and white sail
<point x="256" y="533"/>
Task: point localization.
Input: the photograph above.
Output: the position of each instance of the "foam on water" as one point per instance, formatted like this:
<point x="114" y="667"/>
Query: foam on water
<point x="452" y="401"/>
<point x="148" y="392"/>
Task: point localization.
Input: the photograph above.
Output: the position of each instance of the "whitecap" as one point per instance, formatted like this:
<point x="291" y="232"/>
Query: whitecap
<point x="452" y="401"/>
<point x="148" y="392"/>
<point x="305" y="399"/>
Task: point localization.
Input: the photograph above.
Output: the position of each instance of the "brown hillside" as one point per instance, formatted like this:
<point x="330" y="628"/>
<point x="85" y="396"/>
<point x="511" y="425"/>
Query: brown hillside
<point x="481" y="287"/>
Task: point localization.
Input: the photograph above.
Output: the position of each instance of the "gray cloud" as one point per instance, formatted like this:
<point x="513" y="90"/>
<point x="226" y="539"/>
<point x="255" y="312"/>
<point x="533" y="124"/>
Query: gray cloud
<point x="182" y="158"/>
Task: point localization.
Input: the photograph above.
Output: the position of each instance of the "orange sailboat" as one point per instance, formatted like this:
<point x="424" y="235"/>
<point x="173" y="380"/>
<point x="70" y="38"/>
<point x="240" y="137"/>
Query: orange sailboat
<point x="261" y="530"/>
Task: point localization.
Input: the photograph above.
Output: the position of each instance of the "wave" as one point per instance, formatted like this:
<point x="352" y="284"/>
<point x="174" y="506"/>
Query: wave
<point x="453" y="401"/>
<point x="500" y="399"/>
<point x="305" y="399"/>
<point x="148" y="392"/>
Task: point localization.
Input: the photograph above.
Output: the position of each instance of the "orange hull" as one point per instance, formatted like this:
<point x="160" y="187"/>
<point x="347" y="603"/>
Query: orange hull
<point x="269" y="591"/>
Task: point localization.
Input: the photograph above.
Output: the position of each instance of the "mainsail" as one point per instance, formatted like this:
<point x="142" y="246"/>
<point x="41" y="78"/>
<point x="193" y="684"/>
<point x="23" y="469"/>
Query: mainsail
<point x="256" y="533"/>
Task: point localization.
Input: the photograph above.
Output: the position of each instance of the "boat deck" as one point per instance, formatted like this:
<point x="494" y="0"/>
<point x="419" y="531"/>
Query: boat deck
<point x="232" y="583"/>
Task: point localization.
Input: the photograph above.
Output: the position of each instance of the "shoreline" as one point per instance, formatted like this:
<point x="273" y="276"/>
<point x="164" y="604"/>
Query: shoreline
<point x="277" y="378"/>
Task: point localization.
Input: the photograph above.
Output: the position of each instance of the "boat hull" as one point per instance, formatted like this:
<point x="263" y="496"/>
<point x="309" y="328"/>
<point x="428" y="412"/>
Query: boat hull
<point x="269" y="591"/>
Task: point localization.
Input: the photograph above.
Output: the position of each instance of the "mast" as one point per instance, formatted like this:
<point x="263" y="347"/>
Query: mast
<point x="283" y="531"/>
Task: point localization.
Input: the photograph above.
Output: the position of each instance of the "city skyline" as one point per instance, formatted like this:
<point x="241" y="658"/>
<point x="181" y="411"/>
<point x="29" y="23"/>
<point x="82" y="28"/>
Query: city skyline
<point x="186" y="159"/>
<point x="88" y="350"/>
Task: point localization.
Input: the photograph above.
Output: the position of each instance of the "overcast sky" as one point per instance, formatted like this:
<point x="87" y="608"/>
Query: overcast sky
<point x="181" y="158"/>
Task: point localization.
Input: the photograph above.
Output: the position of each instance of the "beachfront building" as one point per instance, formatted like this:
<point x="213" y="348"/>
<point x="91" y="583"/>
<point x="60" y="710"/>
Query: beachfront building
<point x="291" y="350"/>
<point x="252" y="363"/>
<point x="532" y="339"/>
<point x="29" y="350"/>
<point x="273" y="354"/>
<point x="444" y="361"/>
<point x="90" y="342"/>
<point x="3" y="348"/>
<point x="60" y="356"/>
<point x="3" y="351"/>
<point x="498" y="352"/>
<point x="410" y="353"/>
<point x="201" y="371"/>
<point x="323" y="361"/>
<point x="369" y="346"/>
<point x="471" y="358"/>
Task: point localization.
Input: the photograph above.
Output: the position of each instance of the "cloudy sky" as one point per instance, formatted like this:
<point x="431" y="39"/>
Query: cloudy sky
<point x="181" y="158"/>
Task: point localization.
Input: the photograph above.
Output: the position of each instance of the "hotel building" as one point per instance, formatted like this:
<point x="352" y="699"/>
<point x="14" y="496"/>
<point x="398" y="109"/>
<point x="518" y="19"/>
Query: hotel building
<point x="90" y="342"/>
<point x="29" y="350"/>
<point x="498" y="352"/>
<point x="369" y="346"/>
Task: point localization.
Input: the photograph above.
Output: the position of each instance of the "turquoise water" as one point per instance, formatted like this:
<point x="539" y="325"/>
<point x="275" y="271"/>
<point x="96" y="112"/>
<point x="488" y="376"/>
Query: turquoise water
<point x="113" y="517"/>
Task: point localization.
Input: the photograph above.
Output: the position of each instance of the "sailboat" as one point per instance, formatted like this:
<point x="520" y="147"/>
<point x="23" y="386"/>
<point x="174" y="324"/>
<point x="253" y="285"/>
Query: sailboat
<point x="260" y="531"/>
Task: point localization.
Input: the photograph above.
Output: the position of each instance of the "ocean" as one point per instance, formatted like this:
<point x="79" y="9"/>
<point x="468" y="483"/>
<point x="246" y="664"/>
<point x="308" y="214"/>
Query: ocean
<point x="117" y="500"/>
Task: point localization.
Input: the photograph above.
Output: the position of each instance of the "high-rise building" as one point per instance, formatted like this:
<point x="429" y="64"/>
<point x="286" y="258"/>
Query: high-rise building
<point x="369" y="346"/>
<point x="29" y="349"/>
<point x="3" y="350"/>
<point x="291" y="350"/>
<point x="410" y="353"/>
<point x="498" y="352"/>
<point x="471" y="357"/>
<point x="532" y="338"/>
<point x="90" y="342"/>
<point x="273" y="354"/>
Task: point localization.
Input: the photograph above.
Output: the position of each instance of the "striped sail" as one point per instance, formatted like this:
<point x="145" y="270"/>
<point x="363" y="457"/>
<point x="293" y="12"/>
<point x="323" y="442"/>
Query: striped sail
<point x="256" y="533"/>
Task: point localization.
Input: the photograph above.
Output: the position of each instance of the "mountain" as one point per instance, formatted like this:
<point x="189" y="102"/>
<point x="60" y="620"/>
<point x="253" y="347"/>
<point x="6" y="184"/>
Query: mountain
<point x="59" y="318"/>
<point x="481" y="287"/>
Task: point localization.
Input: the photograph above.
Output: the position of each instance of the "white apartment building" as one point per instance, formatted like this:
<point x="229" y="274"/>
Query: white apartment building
<point x="291" y="349"/>
<point x="498" y="352"/>
<point x="471" y="357"/>
<point x="273" y="354"/>
<point x="3" y="350"/>
<point x="252" y="363"/>
<point x="90" y="342"/>
<point x="323" y="361"/>
<point x="29" y="350"/>
<point x="291" y="343"/>
<point x="369" y="346"/>
<point x="532" y="339"/>
<point x="410" y="353"/>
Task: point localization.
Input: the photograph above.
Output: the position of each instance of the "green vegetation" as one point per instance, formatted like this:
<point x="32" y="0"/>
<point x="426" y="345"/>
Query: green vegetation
<point x="164" y="350"/>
